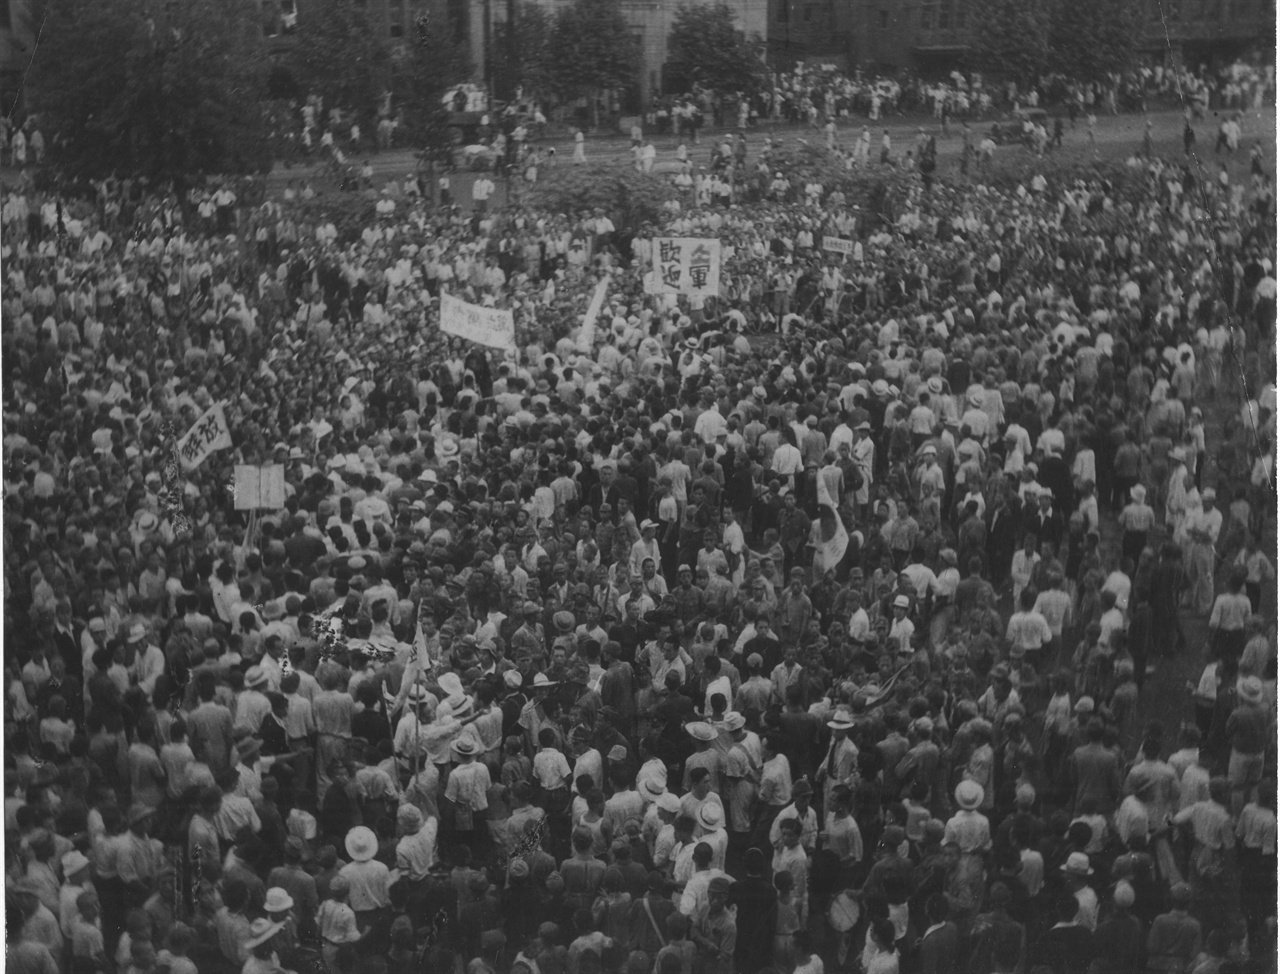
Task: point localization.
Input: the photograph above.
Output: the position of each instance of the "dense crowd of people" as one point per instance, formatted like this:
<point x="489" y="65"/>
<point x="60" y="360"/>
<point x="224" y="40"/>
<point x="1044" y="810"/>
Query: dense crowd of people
<point x="644" y="646"/>
<point x="813" y="93"/>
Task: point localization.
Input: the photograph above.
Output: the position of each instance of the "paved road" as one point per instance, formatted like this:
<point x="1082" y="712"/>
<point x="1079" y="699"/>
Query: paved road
<point x="1116" y="137"/>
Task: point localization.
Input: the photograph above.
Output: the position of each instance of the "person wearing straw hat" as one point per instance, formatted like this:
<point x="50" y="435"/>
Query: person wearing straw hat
<point x="467" y="792"/>
<point x="75" y="873"/>
<point x="840" y="766"/>
<point x="369" y="880"/>
<point x="263" y="958"/>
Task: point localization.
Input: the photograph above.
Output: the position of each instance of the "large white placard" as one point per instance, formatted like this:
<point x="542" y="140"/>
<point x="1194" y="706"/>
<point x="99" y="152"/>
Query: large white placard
<point x="484" y="326"/>
<point x="686" y="265"/>
<point x="259" y="488"/>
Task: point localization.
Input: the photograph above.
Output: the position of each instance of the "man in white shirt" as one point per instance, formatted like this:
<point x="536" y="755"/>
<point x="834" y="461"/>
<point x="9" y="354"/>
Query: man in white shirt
<point x="481" y="191"/>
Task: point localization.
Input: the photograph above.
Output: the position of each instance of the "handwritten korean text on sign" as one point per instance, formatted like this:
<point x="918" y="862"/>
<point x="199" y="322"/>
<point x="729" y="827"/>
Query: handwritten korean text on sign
<point x="484" y="326"/>
<point x="686" y="265"/>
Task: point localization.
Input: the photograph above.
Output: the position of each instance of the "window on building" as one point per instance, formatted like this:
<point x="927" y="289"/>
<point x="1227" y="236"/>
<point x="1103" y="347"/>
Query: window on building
<point x="959" y="15"/>
<point x="784" y="11"/>
<point x="928" y="15"/>
<point x="884" y="20"/>
<point x="395" y="18"/>
<point x="808" y="12"/>
<point x="6" y="16"/>
<point x="944" y="14"/>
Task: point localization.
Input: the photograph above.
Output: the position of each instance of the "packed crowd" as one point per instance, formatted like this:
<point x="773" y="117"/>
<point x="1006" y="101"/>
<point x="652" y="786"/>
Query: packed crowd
<point x="648" y="647"/>
<point x="814" y="93"/>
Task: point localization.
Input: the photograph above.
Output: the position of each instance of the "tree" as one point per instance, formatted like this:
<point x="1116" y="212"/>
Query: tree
<point x="1010" y="38"/>
<point x="144" y="87"/>
<point x="522" y="46"/>
<point x="422" y="72"/>
<point x="1090" y="40"/>
<point x="632" y="199"/>
<point x="706" y="47"/>
<point x="339" y="57"/>
<point x="592" y="50"/>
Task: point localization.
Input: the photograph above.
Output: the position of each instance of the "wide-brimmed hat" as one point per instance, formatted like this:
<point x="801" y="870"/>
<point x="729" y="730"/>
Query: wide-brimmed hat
<point x="464" y="746"/>
<point x="137" y="633"/>
<point x="278" y="900"/>
<point x="564" y="621"/>
<point x="261" y="931"/>
<point x="700" y="730"/>
<point x="361" y="844"/>
<point x="734" y="721"/>
<point x="651" y="790"/>
<point x="255" y="676"/>
<point x="1077" y="864"/>
<point x="1250" y="689"/>
<point x="969" y="795"/>
<point x="711" y="816"/>
<point x="841" y="720"/>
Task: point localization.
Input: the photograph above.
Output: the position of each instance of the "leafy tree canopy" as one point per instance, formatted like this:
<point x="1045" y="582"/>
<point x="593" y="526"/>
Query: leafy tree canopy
<point x="631" y="198"/>
<point x="340" y="57"/>
<point x="592" y="48"/>
<point x="1091" y="40"/>
<point x="1011" y="38"/>
<point x="706" y="47"/>
<point x="422" y="71"/>
<point x="144" y="87"/>
<point x="522" y="49"/>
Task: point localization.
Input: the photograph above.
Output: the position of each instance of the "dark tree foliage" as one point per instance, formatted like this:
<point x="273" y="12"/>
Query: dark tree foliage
<point x="422" y="71"/>
<point x="340" y="57"/>
<point x="1010" y="38"/>
<point x="592" y="49"/>
<point x="145" y="87"/>
<point x="706" y="47"/>
<point x="522" y="51"/>
<point x="1090" y="40"/>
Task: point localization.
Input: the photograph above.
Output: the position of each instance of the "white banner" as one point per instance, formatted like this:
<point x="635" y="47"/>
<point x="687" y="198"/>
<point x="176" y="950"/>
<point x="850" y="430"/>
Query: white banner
<point x="686" y="265"/>
<point x="587" y="336"/>
<point x="209" y="433"/>
<point x="259" y="487"/>
<point x="484" y="326"/>
<point x="837" y="245"/>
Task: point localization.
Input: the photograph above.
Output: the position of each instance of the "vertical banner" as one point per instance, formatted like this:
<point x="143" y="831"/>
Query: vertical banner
<point x="587" y="336"/>
<point x="686" y="265"/>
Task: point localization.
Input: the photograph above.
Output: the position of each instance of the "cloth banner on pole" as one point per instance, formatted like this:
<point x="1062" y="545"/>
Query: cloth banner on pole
<point x="587" y="336"/>
<point x="209" y="433"/>
<point x="259" y="487"/>
<point x="686" y="265"/>
<point x="837" y="245"/>
<point x="484" y="326"/>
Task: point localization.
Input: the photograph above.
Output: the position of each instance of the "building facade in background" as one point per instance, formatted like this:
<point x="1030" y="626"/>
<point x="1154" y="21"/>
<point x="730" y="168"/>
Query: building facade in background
<point x="882" y="36"/>
<point x="932" y="36"/>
